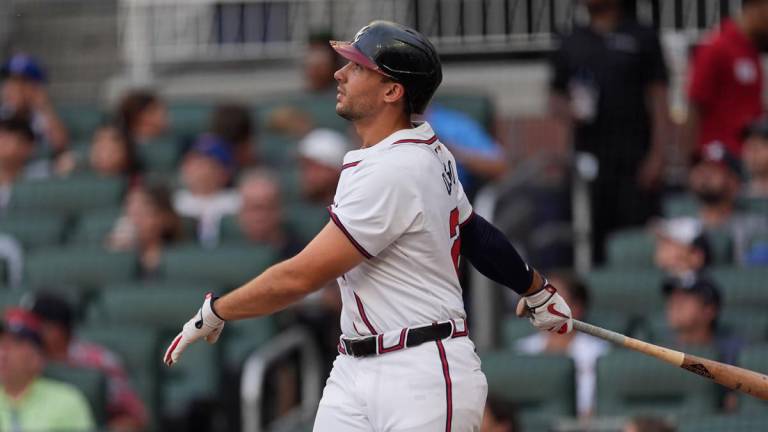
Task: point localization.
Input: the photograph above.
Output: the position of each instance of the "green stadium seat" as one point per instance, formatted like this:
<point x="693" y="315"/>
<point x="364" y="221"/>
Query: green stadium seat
<point x="194" y="378"/>
<point x="754" y="358"/>
<point x="160" y="154"/>
<point x="93" y="227"/>
<point x="306" y="220"/>
<point x="631" y="292"/>
<point x="743" y="287"/>
<point x="34" y="230"/>
<point x="724" y="423"/>
<point x="11" y="298"/>
<point x="225" y="266"/>
<point x="241" y="338"/>
<point x="540" y="386"/>
<point x="189" y="118"/>
<point x="80" y="119"/>
<point x="277" y="150"/>
<point x="680" y="205"/>
<point x="630" y="383"/>
<point x="478" y="107"/>
<point x="138" y="349"/>
<point x="513" y="329"/>
<point x="85" y="268"/>
<point x="750" y="325"/>
<point x="633" y="248"/>
<point x="66" y="196"/>
<point x="92" y="383"/>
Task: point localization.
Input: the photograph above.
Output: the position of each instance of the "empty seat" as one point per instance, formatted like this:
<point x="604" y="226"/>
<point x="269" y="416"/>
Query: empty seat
<point x="724" y="423"/>
<point x="66" y="196"/>
<point x="634" y="292"/>
<point x="160" y="154"/>
<point x="189" y="118"/>
<point x="306" y="220"/>
<point x="680" y="205"/>
<point x="34" y="230"/>
<point x="743" y="287"/>
<point x="540" y="386"/>
<point x="630" y="383"/>
<point x="631" y="248"/>
<point x="241" y="338"/>
<point x="80" y="119"/>
<point x="226" y="266"/>
<point x="93" y="227"/>
<point x="86" y="268"/>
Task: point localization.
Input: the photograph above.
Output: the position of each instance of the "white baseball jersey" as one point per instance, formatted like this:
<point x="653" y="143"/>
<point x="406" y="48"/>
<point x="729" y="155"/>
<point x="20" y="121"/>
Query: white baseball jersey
<point x="401" y="204"/>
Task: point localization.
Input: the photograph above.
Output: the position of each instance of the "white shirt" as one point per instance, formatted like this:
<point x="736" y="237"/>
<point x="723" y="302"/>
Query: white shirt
<point x="584" y="350"/>
<point x="401" y="204"/>
<point x="208" y="210"/>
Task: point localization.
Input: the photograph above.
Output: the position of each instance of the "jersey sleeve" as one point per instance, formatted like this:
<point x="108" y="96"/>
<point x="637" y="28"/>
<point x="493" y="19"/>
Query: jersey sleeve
<point x="465" y="208"/>
<point x="379" y="205"/>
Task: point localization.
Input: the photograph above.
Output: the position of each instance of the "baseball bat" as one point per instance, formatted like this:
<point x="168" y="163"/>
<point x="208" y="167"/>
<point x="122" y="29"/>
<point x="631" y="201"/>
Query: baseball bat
<point x="736" y="378"/>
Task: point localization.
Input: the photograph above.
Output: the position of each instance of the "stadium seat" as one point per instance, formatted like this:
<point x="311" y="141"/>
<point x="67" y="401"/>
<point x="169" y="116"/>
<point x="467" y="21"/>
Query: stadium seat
<point x="138" y="348"/>
<point x="725" y="423"/>
<point x="160" y="154"/>
<point x="630" y="383"/>
<point x="243" y="337"/>
<point x="306" y="220"/>
<point x="634" y="292"/>
<point x="513" y="329"/>
<point x="93" y="227"/>
<point x="86" y="268"/>
<point x="539" y="386"/>
<point x="194" y="378"/>
<point x="680" y="205"/>
<point x="189" y="118"/>
<point x="92" y="383"/>
<point x="226" y="266"/>
<point x="68" y="196"/>
<point x="633" y="248"/>
<point x="81" y="120"/>
<point x="743" y="287"/>
<point x="277" y="150"/>
<point x="754" y="358"/>
<point x="34" y="230"/>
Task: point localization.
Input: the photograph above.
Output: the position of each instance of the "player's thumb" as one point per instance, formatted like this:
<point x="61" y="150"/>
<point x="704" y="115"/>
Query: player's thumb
<point x="214" y="336"/>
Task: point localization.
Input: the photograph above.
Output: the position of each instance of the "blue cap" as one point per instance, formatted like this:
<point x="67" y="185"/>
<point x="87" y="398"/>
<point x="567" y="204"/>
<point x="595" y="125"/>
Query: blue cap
<point x="26" y="66"/>
<point x="216" y="148"/>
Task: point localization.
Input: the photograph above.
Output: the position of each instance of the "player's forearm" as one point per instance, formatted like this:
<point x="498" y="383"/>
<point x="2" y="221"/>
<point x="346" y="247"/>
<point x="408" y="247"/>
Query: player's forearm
<point x="493" y="255"/>
<point x="277" y="288"/>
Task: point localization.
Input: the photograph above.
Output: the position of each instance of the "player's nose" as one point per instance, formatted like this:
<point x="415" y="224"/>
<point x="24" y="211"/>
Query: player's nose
<point x="340" y="75"/>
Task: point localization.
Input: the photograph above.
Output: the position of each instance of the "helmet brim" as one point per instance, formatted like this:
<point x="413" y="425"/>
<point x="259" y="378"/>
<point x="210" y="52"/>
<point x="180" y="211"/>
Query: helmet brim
<point x="351" y="53"/>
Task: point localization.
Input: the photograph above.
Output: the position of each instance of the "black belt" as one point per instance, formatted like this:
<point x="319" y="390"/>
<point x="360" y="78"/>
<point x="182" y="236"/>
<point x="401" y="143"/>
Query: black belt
<point x="368" y="346"/>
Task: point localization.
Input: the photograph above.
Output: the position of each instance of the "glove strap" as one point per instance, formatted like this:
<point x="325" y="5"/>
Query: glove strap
<point x="540" y="297"/>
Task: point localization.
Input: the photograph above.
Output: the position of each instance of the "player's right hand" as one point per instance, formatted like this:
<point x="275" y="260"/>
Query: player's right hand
<point x="546" y="310"/>
<point x="204" y="325"/>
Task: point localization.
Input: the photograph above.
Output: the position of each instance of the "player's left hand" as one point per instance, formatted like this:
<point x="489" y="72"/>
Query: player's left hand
<point x="547" y="310"/>
<point x="204" y="325"/>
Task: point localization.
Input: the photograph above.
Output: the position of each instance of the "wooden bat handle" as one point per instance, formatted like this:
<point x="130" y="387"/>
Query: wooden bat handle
<point x="733" y="377"/>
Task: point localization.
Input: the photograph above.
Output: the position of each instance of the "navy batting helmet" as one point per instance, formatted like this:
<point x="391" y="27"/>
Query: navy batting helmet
<point x="400" y="53"/>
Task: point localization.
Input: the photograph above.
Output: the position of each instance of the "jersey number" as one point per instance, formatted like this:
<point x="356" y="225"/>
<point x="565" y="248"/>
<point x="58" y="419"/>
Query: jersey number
<point x="453" y="223"/>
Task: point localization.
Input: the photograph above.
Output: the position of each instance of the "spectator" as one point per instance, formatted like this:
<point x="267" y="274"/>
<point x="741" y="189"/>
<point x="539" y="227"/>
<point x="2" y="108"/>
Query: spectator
<point x="29" y="402"/>
<point x="716" y="181"/>
<point x="143" y="116"/>
<point x="125" y="411"/>
<point x="610" y="85"/>
<point x="111" y="154"/>
<point x="233" y="124"/>
<point x="692" y="312"/>
<point x="321" y="154"/>
<point x="755" y="158"/>
<point x="478" y="157"/>
<point x="261" y="214"/>
<point x="726" y="82"/>
<point x="25" y="96"/>
<point x="320" y="63"/>
<point x="582" y="348"/>
<point x="648" y="424"/>
<point x="16" y="149"/>
<point x="499" y="416"/>
<point x="682" y="248"/>
<point x="206" y="173"/>
<point x="148" y="225"/>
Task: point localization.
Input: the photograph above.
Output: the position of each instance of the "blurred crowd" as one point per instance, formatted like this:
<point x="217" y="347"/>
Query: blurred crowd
<point x="609" y="90"/>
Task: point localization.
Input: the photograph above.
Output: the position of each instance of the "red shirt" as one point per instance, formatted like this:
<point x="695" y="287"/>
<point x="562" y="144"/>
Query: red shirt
<point x="726" y="86"/>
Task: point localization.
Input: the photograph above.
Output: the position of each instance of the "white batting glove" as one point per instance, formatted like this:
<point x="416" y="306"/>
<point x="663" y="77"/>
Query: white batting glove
<point x="204" y="325"/>
<point x="547" y="310"/>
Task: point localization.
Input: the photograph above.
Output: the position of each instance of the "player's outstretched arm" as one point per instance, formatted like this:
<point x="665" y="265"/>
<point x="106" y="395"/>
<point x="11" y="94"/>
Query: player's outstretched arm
<point x="329" y="255"/>
<point x="493" y="255"/>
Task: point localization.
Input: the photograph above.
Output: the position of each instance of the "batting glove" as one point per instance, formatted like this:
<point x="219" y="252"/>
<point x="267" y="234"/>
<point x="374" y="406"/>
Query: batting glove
<point x="547" y="310"/>
<point x="204" y="325"/>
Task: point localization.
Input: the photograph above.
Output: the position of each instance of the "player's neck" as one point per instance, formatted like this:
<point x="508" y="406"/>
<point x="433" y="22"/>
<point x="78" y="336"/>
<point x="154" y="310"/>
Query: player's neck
<point x="374" y="129"/>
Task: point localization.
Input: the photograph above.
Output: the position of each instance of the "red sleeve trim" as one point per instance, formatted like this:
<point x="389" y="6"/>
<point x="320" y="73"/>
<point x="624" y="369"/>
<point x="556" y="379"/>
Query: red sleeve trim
<point x="350" y="165"/>
<point x="343" y="229"/>
<point x="466" y="221"/>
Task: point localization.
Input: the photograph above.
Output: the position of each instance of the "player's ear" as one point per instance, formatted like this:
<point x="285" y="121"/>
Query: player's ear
<point x="394" y="92"/>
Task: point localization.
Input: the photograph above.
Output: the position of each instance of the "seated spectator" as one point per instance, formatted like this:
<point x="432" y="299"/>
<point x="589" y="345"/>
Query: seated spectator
<point x="206" y="173"/>
<point x="148" y="225"/>
<point x="16" y="149"/>
<point x="261" y="214"/>
<point x="692" y="311"/>
<point x="715" y="181"/>
<point x="682" y="248"/>
<point x="111" y="154"/>
<point x="479" y="158"/>
<point x="142" y="115"/>
<point x="755" y="157"/>
<point x="321" y="154"/>
<point x="319" y="65"/>
<point x="499" y="416"/>
<point x="648" y="424"/>
<point x="233" y="124"/>
<point x="582" y="348"/>
<point x="29" y="402"/>
<point x="125" y="411"/>
<point x="25" y="96"/>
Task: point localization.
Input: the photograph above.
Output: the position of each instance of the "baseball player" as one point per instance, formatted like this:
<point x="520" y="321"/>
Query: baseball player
<point x="399" y="222"/>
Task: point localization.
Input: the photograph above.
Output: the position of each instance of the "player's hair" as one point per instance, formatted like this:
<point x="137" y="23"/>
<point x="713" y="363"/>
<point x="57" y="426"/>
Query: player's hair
<point x="406" y="104"/>
<point x="18" y="126"/>
<point x="132" y="105"/>
<point x="233" y="123"/>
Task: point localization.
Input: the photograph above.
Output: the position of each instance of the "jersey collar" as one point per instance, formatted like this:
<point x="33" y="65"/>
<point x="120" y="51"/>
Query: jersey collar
<point x="421" y="133"/>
